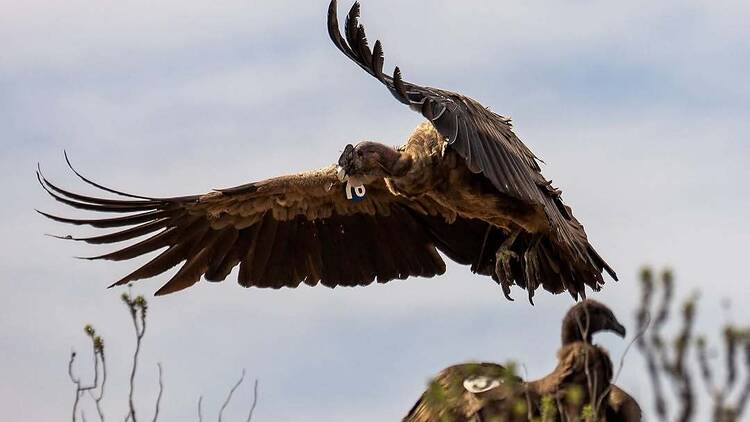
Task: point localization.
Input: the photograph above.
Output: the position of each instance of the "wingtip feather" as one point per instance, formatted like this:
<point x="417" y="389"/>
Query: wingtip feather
<point x="57" y="236"/>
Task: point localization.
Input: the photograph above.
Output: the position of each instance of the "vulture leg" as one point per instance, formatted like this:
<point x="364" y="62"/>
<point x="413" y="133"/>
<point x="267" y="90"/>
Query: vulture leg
<point x="503" y="259"/>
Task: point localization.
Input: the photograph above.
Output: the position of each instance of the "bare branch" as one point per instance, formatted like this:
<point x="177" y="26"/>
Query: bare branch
<point x="730" y="342"/>
<point x="621" y="364"/>
<point x="705" y="367"/>
<point x="161" y="391"/>
<point x="560" y="408"/>
<point x="584" y="330"/>
<point x="255" y="401"/>
<point x="643" y="315"/>
<point x="680" y="370"/>
<point x="650" y="348"/>
<point x="75" y="381"/>
<point x="97" y="347"/>
<point x="638" y="336"/>
<point x="745" y="393"/>
<point x="229" y="396"/>
<point x="137" y="308"/>
<point x="663" y="313"/>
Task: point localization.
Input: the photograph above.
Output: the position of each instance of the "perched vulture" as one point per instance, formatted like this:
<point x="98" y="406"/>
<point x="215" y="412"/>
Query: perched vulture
<point x="579" y="325"/>
<point x="462" y="184"/>
<point x="477" y="392"/>
<point x="581" y="379"/>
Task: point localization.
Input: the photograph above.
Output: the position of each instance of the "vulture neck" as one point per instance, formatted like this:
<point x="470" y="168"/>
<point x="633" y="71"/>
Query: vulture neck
<point x="572" y="331"/>
<point x="394" y="162"/>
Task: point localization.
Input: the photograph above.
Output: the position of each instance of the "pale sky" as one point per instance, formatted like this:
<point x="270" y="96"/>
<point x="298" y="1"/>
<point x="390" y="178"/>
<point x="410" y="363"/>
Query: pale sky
<point x="640" y="111"/>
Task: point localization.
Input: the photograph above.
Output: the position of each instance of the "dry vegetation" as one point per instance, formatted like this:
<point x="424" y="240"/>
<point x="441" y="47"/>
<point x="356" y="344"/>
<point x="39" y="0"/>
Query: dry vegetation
<point x="672" y="363"/>
<point x="95" y="389"/>
<point x="684" y="370"/>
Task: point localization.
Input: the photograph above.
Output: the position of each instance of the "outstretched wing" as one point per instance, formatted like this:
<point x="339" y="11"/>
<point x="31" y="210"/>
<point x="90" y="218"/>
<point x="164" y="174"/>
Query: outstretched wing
<point x="484" y="139"/>
<point x="488" y="145"/>
<point x="281" y="232"/>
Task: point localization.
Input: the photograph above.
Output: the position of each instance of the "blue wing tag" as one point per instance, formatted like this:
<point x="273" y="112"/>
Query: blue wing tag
<point x="354" y="193"/>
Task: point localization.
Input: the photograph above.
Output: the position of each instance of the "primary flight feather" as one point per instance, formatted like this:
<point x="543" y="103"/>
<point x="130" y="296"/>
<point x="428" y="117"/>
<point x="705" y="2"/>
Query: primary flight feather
<point x="462" y="184"/>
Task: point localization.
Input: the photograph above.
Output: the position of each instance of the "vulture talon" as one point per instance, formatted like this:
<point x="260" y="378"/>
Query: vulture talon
<point x="506" y="290"/>
<point x="503" y="260"/>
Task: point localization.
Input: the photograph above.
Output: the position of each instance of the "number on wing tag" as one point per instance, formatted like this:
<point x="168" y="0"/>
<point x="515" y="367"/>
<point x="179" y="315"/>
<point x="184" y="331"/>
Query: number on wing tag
<point x="354" y="193"/>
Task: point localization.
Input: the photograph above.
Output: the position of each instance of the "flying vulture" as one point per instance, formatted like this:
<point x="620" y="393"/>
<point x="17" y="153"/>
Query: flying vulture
<point x="475" y="392"/>
<point x="463" y="184"/>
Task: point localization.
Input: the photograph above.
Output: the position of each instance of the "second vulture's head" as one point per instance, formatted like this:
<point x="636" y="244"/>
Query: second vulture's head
<point x="368" y="161"/>
<point x="586" y="318"/>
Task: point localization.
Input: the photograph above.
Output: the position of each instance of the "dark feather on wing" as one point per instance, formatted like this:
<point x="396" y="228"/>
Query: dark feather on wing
<point x="280" y="232"/>
<point x="485" y="140"/>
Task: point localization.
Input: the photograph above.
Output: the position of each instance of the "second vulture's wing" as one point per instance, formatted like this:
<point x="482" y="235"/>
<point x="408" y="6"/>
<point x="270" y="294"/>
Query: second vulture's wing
<point x="469" y="392"/>
<point x="281" y="232"/>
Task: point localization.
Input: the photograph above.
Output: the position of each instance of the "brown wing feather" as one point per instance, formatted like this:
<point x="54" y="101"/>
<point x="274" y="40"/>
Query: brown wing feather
<point x="622" y="407"/>
<point x="485" y="140"/>
<point x="281" y="232"/>
<point x="446" y="398"/>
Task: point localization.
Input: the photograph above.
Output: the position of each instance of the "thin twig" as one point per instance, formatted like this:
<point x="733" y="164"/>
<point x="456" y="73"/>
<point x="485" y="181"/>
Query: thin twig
<point x="135" y="305"/>
<point x="527" y="395"/>
<point x="639" y="335"/>
<point x="663" y="313"/>
<point x="706" y="372"/>
<point x="200" y="411"/>
<point x="161" y="391"/>
<point x="730" y="342"/>
<point x="681" y="372"/>
<point x="229" y="396"/>
<point x="584" y="330"/>
<point x="621" y="363"/>
<point x="560" y="408"/>
<point x="98" y="397"/>
<point x="745" y="393"/>
<point x="643" y="317"/>
<point x="75" y="381"/>
<point x="97" y="347"/>
<point x="255" y="401"/>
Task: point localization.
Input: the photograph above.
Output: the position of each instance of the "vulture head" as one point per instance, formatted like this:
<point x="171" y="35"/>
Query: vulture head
<point x="368" y="161"/>
<point x="587" y="318"/>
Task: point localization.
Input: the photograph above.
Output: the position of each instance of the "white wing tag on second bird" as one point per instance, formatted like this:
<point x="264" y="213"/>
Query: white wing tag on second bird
<point x="480" y="384"/>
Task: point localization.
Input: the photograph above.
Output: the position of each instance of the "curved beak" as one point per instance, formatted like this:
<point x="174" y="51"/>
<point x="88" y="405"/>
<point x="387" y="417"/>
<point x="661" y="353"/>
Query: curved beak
<point x="344" y="165"/>
<point x="341" y="174"/>
<point x="345" y="158"/>
<point x="618" y="329"/>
